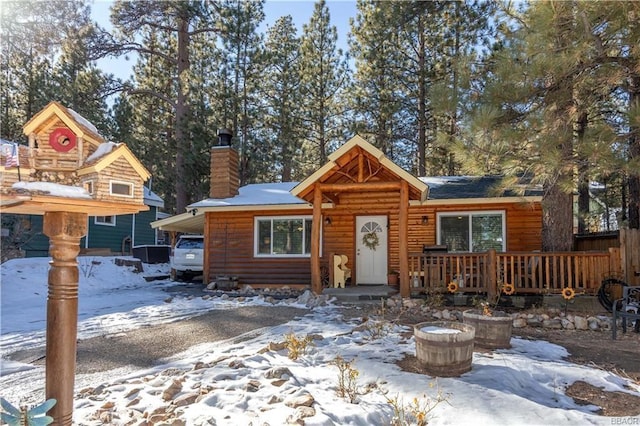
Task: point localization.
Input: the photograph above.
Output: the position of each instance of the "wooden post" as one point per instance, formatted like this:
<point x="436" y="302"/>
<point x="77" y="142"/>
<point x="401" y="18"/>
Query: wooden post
<point x="316" y="281"/>
<point x="492" y="274"/>
<point x="403" y="240"/>
<point x="64" y="231"/>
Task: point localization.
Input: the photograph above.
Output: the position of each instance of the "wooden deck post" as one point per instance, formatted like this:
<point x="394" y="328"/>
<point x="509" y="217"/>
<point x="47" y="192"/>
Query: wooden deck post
<point x="316" y="281"/>
<point x="64" y="231"/>
<point x="403" y="240"/>
<point x="492" y="275"/>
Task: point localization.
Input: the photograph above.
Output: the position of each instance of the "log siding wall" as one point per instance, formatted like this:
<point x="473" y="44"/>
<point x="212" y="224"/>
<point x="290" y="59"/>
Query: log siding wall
<point x="230" y="236"/>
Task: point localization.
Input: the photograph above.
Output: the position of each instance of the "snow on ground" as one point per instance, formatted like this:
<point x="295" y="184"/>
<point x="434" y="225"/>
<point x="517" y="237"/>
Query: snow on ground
<point x="239" y="382"/>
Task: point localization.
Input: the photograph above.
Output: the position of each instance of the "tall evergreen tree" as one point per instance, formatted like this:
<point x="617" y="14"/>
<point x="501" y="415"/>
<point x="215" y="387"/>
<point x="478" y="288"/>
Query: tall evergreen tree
<point x="31" y="37"/>
<point x="242" y="53"/>
<point x="281" y="93"/>
<point x="374" y="48"/>
<point x="324" y="76"/>
<point x="180" y="21"/>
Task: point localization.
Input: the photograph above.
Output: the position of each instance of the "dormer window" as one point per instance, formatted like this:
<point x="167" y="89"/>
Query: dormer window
<point x="121" y="189"/>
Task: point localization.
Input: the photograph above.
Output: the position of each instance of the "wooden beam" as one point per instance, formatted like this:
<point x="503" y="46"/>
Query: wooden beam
<point x="361" y="167"/>
<point x="358" y="187"/>
<point x="206" y="276"/>
<point x="316" y="282"/>
<point x="403" y="240"/>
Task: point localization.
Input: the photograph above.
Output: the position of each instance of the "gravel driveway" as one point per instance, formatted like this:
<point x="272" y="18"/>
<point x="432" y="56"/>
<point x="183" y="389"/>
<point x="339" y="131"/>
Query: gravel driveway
<point x="146" y="347"/>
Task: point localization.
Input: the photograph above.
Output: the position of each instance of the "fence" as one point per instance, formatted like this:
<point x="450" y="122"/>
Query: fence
<point x="528" y="272"/>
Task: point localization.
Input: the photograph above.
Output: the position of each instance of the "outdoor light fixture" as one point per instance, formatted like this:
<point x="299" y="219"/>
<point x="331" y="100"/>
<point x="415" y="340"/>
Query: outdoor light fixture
<point x="194" y="212"/>
<point x="425" y="220"/>
<point x="327" y="220"/>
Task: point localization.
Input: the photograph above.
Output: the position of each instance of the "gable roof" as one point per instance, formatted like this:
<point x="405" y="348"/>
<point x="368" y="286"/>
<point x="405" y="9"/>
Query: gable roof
<point x="100" y="163"/>
<point x="349" y="159"/>
<point x="79" y="125"/>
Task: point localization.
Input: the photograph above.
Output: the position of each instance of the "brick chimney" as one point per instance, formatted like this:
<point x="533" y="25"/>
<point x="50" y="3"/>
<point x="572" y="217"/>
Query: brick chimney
<point x="225" y="177"/>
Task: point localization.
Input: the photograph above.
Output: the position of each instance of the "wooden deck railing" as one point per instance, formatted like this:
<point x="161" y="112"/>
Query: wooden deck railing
<point x="528" y="272"/>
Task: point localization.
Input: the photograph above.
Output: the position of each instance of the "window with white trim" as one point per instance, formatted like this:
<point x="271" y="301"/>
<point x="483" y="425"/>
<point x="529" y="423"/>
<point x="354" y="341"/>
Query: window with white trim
<point x="472" y="231"/>
<point x="283" y="236"/>
<point x="105" y="220"/>
<point x="122" y="189"/>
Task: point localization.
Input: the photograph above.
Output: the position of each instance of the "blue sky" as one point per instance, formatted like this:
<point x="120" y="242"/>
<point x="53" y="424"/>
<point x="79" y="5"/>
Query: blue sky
<point x="301" y="10"/>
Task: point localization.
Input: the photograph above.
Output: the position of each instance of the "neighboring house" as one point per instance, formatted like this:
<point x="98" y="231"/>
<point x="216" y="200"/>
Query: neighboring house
<point x="359" y="204"/>
<point x="117" y="234"/>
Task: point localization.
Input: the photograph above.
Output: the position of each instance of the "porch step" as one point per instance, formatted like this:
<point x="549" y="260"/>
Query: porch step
<point x="361" y="293"/>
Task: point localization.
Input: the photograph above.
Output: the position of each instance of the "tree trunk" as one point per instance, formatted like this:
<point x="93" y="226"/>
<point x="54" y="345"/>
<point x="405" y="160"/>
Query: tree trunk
<point x="557" y="201"/>
<point x="422" y="101"/>
<point x="182" y="112"/>
<point x="583" y="179"/>
<point x="634" y="155"/>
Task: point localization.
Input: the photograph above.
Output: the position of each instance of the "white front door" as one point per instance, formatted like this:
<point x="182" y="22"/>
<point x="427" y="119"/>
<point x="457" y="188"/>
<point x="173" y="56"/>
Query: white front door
<point x="371" y="249"/>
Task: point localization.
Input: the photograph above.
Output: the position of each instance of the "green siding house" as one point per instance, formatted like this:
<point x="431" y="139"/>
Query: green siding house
<point x="118" y="234"/>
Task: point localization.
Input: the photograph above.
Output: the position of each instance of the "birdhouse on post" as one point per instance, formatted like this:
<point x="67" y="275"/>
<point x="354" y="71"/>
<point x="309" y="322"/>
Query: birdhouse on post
<point x="67" y="173"/>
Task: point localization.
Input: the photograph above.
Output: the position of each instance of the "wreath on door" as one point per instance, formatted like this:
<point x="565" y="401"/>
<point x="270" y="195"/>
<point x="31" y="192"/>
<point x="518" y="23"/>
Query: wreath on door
<point x="371" y="240"/>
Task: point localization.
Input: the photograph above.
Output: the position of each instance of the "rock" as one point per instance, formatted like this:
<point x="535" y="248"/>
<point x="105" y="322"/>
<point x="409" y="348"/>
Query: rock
<point x="277" y="346"/>
<point x="277" y="373"/>
<point x="534" y="322"/>
<point x="519" y="323"/>
<point x="302" y="400"/>
<point x="274" y="399"/>
<point x="199" y="366"/>
<point x="174" y="388"/>
<point x="409" y="303"/>
<point x="301" y="413"/>
<point x="305" y="297"/>
<point x="446" y="315"/>
<point x="567" y="324"/>
<point x="581" y="323"/>
<point x="594" y="324"/>
<point x="236" y="364"/>
<point x="168" y="300"/>
<point x="279" y="382"/>
<point x="252" y="386"/>
<point x="186" y="399"/>
<point x="552" y="323"/>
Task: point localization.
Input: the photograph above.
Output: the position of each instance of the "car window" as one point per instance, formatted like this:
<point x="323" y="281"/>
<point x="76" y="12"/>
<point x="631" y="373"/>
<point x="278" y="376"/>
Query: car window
<point x="190" y="243"/>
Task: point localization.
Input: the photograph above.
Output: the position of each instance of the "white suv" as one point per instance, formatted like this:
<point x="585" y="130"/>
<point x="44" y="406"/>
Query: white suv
<point x="188" y="257"/>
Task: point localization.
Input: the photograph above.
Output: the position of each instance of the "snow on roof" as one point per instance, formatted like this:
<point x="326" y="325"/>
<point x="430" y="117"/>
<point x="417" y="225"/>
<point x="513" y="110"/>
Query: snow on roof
<point x="83" y="121"/>
<point x="256" y="194"/>
<point x="54" y="189"/>
<point x="103" y="149"/>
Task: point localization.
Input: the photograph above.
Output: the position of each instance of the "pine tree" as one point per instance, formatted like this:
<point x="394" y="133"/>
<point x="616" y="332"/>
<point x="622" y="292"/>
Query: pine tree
<point x="31" y="36"/>
<point x="180" y="22"/>
<point x="373" y="47"/>
<point x="242" y="53"/>
<point x="324" y="76"/>
<point x="281" y="93"/>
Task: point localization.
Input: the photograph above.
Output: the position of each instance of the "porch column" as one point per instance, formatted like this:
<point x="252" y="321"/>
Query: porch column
<point x="64" y="231"/>
<point x="403" y="239"/>
<point x="316" y="283"/>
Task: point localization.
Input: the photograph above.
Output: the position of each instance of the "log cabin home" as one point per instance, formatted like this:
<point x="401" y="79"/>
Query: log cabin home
<point x="438" y="233"/>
